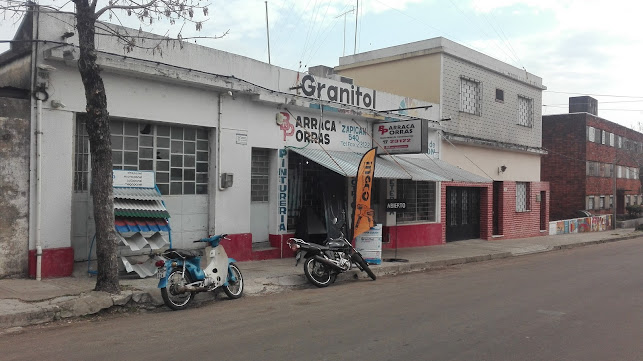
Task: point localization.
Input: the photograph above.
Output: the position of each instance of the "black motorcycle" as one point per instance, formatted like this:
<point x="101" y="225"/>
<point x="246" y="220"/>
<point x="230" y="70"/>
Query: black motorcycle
<point x="324" y="262"/>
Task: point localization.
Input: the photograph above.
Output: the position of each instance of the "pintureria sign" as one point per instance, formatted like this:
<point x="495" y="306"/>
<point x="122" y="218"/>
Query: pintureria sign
<point x="347" y="94"/>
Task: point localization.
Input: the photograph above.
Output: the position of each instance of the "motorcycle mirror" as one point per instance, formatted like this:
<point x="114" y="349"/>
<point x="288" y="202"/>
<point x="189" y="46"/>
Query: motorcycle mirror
<point x="334" y="220"/>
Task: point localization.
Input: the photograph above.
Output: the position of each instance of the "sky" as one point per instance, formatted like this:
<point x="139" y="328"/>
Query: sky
<point x="578" y="47"/>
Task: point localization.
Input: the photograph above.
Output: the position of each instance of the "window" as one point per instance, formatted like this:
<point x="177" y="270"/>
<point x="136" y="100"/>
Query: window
<point x="590" y="202"/>
<point x="470" y="96"/>
<point x="81" y="157"/>
<point x="178" y="155"/>
<point x="603" y="137"/>
<point x="522" y="196"/>
<point x="627" y="200"/>
<point x="591" y="134"/>
<point x="525" y="111"/>
<point x="620" y="141"/>
<point x="601" y="202"/>
<point x="611" y="201"/>
<point x="611" y="139"/>
<point x="420" y="201"/>
<point x="259" y="177"/>
<point x="500" y="95"/>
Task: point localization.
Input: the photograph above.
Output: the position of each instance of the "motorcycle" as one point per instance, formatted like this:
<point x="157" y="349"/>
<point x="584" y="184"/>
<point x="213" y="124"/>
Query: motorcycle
<point x="181" y="276"/>
<point x="324" y="262"/>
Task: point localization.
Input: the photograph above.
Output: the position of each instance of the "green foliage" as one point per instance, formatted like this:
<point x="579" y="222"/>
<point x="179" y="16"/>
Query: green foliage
<point x="634" y="211"/>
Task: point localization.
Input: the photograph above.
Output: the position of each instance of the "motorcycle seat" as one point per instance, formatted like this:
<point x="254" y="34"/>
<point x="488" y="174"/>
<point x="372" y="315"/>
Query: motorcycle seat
<point x="335" y="244"/>
<point x="181" y="253"/>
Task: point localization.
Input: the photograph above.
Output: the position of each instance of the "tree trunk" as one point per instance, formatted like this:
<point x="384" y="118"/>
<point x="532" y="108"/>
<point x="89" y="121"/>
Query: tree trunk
<point x="100" y="149"/>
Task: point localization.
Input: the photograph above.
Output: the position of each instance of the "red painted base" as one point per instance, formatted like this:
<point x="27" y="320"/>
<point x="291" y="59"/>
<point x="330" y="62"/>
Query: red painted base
<point x="412" y="235"/>
<point x="55" y="262"/>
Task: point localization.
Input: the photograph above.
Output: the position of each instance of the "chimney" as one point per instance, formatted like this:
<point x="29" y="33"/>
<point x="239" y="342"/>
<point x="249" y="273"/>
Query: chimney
<point x="583" y="104"/>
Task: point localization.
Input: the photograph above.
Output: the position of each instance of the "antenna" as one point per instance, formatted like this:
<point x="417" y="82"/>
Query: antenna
<point x="267" y="31"/>
<point x="356" y="14"/>
<point x="344" y="15"/>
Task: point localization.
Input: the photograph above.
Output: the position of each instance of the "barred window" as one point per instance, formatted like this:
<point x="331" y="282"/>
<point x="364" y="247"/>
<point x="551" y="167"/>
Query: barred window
<point x="260" y="175"/>
<point x="525" y="111"/>
<point x="420" y="201"/>
<point x="81" y="157"/>
<point x="470" y="96"/>
<point x="522" y="197"/>
<point x="178" y="155"/>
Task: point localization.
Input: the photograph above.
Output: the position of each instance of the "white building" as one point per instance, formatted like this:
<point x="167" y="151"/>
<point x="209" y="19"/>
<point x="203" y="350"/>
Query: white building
<point x="237" y="146"/>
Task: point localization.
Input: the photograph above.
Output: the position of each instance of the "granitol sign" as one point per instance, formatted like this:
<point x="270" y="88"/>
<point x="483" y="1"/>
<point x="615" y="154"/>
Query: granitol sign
<point x="402" y="137"/>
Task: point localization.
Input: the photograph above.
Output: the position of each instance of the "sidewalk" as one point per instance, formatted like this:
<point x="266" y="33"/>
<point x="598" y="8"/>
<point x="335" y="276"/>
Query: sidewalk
<point x="27" y="302"/>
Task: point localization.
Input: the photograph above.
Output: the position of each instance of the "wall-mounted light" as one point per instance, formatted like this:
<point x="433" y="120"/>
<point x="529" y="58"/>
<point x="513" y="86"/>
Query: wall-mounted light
<point x="502" y="169"/>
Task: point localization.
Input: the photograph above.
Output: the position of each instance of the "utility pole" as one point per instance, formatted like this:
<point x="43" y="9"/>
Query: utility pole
<point x="614" y="191"/>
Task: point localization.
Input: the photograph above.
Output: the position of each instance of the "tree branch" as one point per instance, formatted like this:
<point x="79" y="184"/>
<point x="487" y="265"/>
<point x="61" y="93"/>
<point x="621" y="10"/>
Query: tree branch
<point x="123" y="7"/>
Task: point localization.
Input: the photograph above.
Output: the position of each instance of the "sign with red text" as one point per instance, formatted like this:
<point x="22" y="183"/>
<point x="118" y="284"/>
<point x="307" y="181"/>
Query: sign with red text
<point x="401" y="137"/>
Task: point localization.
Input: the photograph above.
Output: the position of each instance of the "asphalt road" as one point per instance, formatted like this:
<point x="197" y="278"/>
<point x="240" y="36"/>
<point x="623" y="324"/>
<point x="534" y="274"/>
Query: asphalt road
<point x="581" y="304"/>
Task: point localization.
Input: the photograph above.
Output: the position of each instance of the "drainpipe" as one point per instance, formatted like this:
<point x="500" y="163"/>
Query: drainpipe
<point x="219" y="143"/>
<point x="38" y="188"/>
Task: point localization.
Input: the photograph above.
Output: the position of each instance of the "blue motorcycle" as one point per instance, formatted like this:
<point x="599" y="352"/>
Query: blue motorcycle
<point x="181" y="276"/>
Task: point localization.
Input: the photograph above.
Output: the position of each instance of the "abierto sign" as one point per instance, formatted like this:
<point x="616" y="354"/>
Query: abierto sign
<point x="402" y="137"/>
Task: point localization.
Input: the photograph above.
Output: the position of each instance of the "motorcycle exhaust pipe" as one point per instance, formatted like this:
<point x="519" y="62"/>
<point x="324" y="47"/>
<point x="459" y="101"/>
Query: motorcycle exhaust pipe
<point x="327" y="262"/>
<point x="183" y="289"/>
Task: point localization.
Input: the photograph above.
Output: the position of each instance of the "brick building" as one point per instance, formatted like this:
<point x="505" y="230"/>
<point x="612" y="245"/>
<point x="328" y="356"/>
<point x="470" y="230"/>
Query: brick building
<point x="583" y="149"/>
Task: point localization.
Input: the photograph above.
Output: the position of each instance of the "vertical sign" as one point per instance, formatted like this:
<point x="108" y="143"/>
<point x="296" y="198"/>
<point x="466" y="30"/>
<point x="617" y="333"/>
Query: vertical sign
<point x="283" y="190"/>
<point x="363" y="214"/>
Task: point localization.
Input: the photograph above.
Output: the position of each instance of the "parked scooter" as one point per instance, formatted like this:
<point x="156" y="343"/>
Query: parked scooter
<point x="324" y="262"/>
<point x="182" y="276"/>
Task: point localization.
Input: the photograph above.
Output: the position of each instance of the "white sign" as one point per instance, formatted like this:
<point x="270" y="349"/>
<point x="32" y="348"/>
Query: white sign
<point x="242" y="138"/>
<point x="369" y="244"/>
<point x="133" y="178"/>
<point x="300" y="129"/>
<point x="400" y="137"/>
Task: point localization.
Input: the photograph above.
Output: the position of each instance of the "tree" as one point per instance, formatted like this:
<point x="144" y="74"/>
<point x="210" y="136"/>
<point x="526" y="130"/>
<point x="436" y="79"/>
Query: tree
<point x="87" y="14"/>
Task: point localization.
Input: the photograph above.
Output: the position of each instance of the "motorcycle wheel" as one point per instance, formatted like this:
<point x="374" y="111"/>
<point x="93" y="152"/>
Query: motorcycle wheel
<point x="174" y="300"/>
<point x="317" y="273"/>
<point x="235" y="290"/>
<point x="357" y="258"/>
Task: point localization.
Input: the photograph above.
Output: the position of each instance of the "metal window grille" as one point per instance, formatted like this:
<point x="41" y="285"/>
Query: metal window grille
<point x="525" y="111"/>
<point x="81" y="157"/>
<point x="470" y="96"/>
<point x="260" y="175"/>
<point x="522" y="197"/>
<point x="420" y="201"/>
<point x="179" y="156"/>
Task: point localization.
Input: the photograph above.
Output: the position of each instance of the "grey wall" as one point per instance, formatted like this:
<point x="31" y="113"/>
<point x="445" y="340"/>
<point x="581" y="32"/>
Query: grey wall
<point x="14" y="187"/>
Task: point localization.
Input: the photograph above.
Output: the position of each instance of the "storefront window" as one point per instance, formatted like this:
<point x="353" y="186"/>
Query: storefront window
<point x="178" y="155"/>
<point x="420" y="201"/>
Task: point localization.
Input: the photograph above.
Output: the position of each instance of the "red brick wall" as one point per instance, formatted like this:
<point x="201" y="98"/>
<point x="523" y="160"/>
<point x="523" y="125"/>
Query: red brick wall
<point x="565" y="137"/>
<point x="524" y="224"/>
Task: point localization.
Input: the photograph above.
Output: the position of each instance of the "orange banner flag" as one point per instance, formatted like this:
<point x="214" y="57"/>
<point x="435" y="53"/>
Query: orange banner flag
<point x="363" y="215"/>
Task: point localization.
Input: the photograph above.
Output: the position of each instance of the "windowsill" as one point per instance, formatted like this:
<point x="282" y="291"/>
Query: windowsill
<point x="497" y="236"/>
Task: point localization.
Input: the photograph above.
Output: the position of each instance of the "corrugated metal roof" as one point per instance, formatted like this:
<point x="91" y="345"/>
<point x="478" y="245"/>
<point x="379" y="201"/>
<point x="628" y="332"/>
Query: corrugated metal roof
<point x="346" y="163"/>
<point x="141" y="213"/>
<point x="147" y="205"/>
<point x="137" y="193"/>
<point x="439" y="168"/>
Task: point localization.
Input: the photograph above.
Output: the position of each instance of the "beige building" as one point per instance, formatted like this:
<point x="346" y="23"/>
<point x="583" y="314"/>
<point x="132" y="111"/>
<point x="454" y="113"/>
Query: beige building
<point x="491" y="121"/>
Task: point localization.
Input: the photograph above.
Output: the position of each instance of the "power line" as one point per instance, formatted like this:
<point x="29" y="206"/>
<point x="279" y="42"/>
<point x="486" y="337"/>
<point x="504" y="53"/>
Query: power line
<point x="598" y="95"/>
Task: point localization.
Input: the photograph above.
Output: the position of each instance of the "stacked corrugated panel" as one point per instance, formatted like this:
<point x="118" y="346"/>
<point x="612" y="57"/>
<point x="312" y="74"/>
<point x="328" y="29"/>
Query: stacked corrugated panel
<point x="141" y="221"/>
